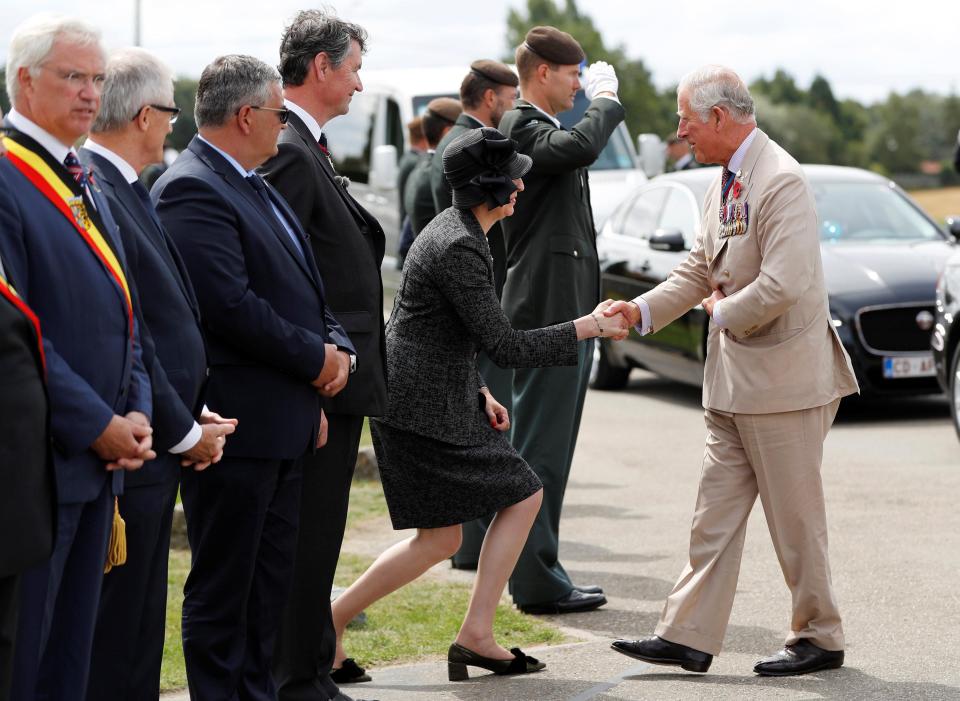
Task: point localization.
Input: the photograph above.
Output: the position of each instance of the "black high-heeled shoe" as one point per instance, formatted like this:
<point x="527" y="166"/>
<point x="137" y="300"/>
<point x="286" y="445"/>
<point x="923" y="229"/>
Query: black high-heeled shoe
<point x="459" y="657"/>
<point x="349" y="673"/>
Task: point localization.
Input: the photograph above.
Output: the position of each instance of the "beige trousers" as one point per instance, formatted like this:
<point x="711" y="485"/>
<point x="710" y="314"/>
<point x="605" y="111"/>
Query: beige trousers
<point x="778" y="457"/>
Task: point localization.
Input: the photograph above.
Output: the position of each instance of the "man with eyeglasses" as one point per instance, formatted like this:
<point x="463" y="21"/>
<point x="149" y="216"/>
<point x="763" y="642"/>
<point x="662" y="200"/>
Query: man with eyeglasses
<point x="69" y="266"/>
<point x="274" y="348"/>
<point x="128" y="644"/>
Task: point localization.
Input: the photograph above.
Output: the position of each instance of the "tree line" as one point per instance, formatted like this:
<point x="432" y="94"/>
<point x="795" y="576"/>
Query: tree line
<point x="906" y="134"/>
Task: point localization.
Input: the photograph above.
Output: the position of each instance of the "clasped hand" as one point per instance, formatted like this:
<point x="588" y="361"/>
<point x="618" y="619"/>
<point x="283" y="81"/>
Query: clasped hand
<point x="334" y="373"/>
<point x="615" y="325"/>
<point x="209" y="449"/>
<point x="126" y="442"/>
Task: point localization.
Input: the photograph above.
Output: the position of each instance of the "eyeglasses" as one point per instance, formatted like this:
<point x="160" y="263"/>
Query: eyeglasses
<point x="78" y="80"/>
<point x="174" y="112"/>
<point x="282" y="112"/>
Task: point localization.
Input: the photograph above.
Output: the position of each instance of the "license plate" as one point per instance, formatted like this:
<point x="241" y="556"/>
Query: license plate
<point x="909" y="366"/>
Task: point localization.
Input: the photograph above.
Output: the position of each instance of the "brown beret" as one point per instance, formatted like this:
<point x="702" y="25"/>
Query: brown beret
<point x="495" y="72"/>
<point x="445" y="108"/>
<point x="554" y="46"/>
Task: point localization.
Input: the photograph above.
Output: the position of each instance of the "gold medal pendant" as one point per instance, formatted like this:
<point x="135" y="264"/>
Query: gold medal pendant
<point x="79" y="210"/>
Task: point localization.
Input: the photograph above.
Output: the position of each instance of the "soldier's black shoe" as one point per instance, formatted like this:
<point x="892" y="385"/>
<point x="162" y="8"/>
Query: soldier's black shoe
<point x="802" y="657"/>
<point x="656" y="650"/>
<point x="577" y="601"/>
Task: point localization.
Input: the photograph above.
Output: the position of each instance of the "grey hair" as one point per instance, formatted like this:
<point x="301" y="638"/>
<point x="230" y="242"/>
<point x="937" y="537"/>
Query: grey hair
<point x="717" y="86"/>
<point x="229" y="83"/>
<point x="134" y="78"/>
<point x="33" y="40"/>
<point x="312" y="32"/>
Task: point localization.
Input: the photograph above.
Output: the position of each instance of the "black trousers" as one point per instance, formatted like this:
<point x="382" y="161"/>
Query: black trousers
<point x="128" y="642"/>
<point x="307" y="643"/>
<point x="9" y="604"/>
<point x="242" y="518"/>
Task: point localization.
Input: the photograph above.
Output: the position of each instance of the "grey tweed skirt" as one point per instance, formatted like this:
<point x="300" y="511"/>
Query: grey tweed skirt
<point x="429" y="483"/>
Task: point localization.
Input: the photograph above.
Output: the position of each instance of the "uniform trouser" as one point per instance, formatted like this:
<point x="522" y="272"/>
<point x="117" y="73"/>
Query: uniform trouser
<point x="128" y="643"/>
<point x="58" y="605"/>
<point x="9" y="605"/>
<point x="547" y="405"/>
<point x="242" y="518"/>
<point x="777" y="456"/>
<point x="500" y="383"/>
<point x="307" y="643"/>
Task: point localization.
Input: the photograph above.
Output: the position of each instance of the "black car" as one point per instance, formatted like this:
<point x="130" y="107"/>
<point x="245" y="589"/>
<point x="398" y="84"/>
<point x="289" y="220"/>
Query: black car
<point x="881" y="258"/>
<point x="946" y="331"/>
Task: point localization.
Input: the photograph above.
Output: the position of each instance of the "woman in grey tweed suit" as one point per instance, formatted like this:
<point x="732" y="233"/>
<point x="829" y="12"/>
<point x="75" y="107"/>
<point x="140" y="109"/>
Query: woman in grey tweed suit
<point x="444" y="458"/>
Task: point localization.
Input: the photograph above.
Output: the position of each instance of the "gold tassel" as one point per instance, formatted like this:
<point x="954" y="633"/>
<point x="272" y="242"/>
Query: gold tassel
<point x="117" y="550"/>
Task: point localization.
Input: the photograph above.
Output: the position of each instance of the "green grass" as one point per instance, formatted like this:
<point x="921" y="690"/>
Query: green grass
<point x="172" y="674"/>
<point x="422" y="619"/>
<point x="419" y="621"/>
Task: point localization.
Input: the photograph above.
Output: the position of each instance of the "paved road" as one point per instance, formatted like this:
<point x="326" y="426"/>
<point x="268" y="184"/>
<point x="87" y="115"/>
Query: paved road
<point x="892" y="475"/>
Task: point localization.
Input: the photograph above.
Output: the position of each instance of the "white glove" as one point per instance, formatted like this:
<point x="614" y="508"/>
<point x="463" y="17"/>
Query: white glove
<point x="600" y="78"/>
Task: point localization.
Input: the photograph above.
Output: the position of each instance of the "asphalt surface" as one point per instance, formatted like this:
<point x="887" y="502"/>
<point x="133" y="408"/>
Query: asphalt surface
<point x="892" y="478"/>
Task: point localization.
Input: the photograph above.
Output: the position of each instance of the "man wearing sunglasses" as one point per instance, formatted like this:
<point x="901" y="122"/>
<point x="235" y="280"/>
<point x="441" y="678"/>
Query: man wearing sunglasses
<point x="128" y="644"/>
<point x="274" y="348"/>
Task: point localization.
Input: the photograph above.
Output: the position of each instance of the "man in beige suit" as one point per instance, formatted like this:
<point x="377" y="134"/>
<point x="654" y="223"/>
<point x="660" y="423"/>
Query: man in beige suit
<point x="774" y="376"/>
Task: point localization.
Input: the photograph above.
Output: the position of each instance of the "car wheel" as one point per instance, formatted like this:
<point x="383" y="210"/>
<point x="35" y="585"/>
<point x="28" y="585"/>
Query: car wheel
<point x="955" y="389"/>
<point x="604" y="375"/>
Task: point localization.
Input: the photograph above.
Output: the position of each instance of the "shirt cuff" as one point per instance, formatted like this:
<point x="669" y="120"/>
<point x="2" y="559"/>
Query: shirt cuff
<point x="718" y="314"/>
<point x="189" y="441"/>
<point x="646" y="324"/>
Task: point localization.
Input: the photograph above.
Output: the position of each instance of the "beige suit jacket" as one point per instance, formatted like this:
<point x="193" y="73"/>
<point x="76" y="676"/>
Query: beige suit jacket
<point x="779" y="350"/>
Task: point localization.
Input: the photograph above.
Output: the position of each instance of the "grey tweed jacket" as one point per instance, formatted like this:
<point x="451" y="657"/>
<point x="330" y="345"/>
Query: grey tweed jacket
<point x="446" y="310"/>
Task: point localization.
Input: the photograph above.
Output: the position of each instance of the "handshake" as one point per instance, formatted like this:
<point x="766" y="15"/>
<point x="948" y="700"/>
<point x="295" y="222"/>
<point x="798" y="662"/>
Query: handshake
<point x="608" y="320"/>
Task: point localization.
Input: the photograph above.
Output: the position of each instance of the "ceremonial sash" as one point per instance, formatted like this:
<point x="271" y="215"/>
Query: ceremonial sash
<point x="43" y="177"/>
<point x="6" y="289"/>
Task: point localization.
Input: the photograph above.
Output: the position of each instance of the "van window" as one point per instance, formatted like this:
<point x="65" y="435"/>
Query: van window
<point x="350" y="137"/>
<point x="395" y="127"/>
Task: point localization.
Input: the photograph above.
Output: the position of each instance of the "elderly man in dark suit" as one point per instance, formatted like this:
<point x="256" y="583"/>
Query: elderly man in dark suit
<point x="486" y="93"/>
<point x="553" y="275"/>
<point x="320" y="57"/>
<point x="273" y="347"/>
<point x="128" y="645"/>
<point x="68" y="262"/>
<point x="28" y="499"/>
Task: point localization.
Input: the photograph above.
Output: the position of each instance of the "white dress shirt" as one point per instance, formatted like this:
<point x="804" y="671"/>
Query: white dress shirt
<point x="736" y="161"/>
<point x="130" y="175"/>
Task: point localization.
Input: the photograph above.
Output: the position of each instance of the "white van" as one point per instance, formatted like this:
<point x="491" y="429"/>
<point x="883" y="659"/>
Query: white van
<point x="366" y="142"/>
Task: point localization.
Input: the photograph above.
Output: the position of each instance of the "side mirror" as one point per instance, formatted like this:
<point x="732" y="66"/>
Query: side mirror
<point x="667" y="240"/>
<point x="953" y="226"/>
<point x="653" y="154"/>
<point x="383" y="169"/>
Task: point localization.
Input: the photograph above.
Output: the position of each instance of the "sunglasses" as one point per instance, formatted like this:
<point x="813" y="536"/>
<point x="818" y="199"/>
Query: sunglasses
<point x="282" y="112"/>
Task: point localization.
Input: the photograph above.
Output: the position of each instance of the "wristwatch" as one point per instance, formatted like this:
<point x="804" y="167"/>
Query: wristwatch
<point x="353" y="363"/>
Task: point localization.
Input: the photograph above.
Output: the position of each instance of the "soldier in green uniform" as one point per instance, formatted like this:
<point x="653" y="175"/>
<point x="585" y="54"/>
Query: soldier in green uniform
<point x="486" y="93"/>
<point x="408" y="161"/>
<point x="553" y="274"/>
<point x="439" y="117"/>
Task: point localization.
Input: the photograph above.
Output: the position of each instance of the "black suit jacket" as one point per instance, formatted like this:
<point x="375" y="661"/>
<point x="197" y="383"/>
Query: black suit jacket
<point x="265" y="318"/>
<point x="173" y="350"/>
<point x="348" y="245"/>
<point x="28" y="502"/>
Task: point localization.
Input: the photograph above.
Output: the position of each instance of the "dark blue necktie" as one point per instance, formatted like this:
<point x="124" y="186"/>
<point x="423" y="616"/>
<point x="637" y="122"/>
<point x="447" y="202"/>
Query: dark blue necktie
<point x="261" y="188"/>
<point x="141" y="190"/>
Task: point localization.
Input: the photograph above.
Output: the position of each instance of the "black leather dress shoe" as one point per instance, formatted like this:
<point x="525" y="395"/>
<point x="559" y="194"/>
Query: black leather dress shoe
<point x="802" y="657"/>
<point x="659" y="651"/>
<point x="574" y="602"/>
<point x="589" y="588"/>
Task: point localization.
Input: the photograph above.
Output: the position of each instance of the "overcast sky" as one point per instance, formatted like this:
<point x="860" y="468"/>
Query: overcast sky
<point x="863" y="49"/>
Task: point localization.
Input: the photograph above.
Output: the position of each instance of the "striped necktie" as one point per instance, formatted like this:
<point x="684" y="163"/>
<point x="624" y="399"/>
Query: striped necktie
<point x="725" y="184"/>
<point x="75" y="169"/>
